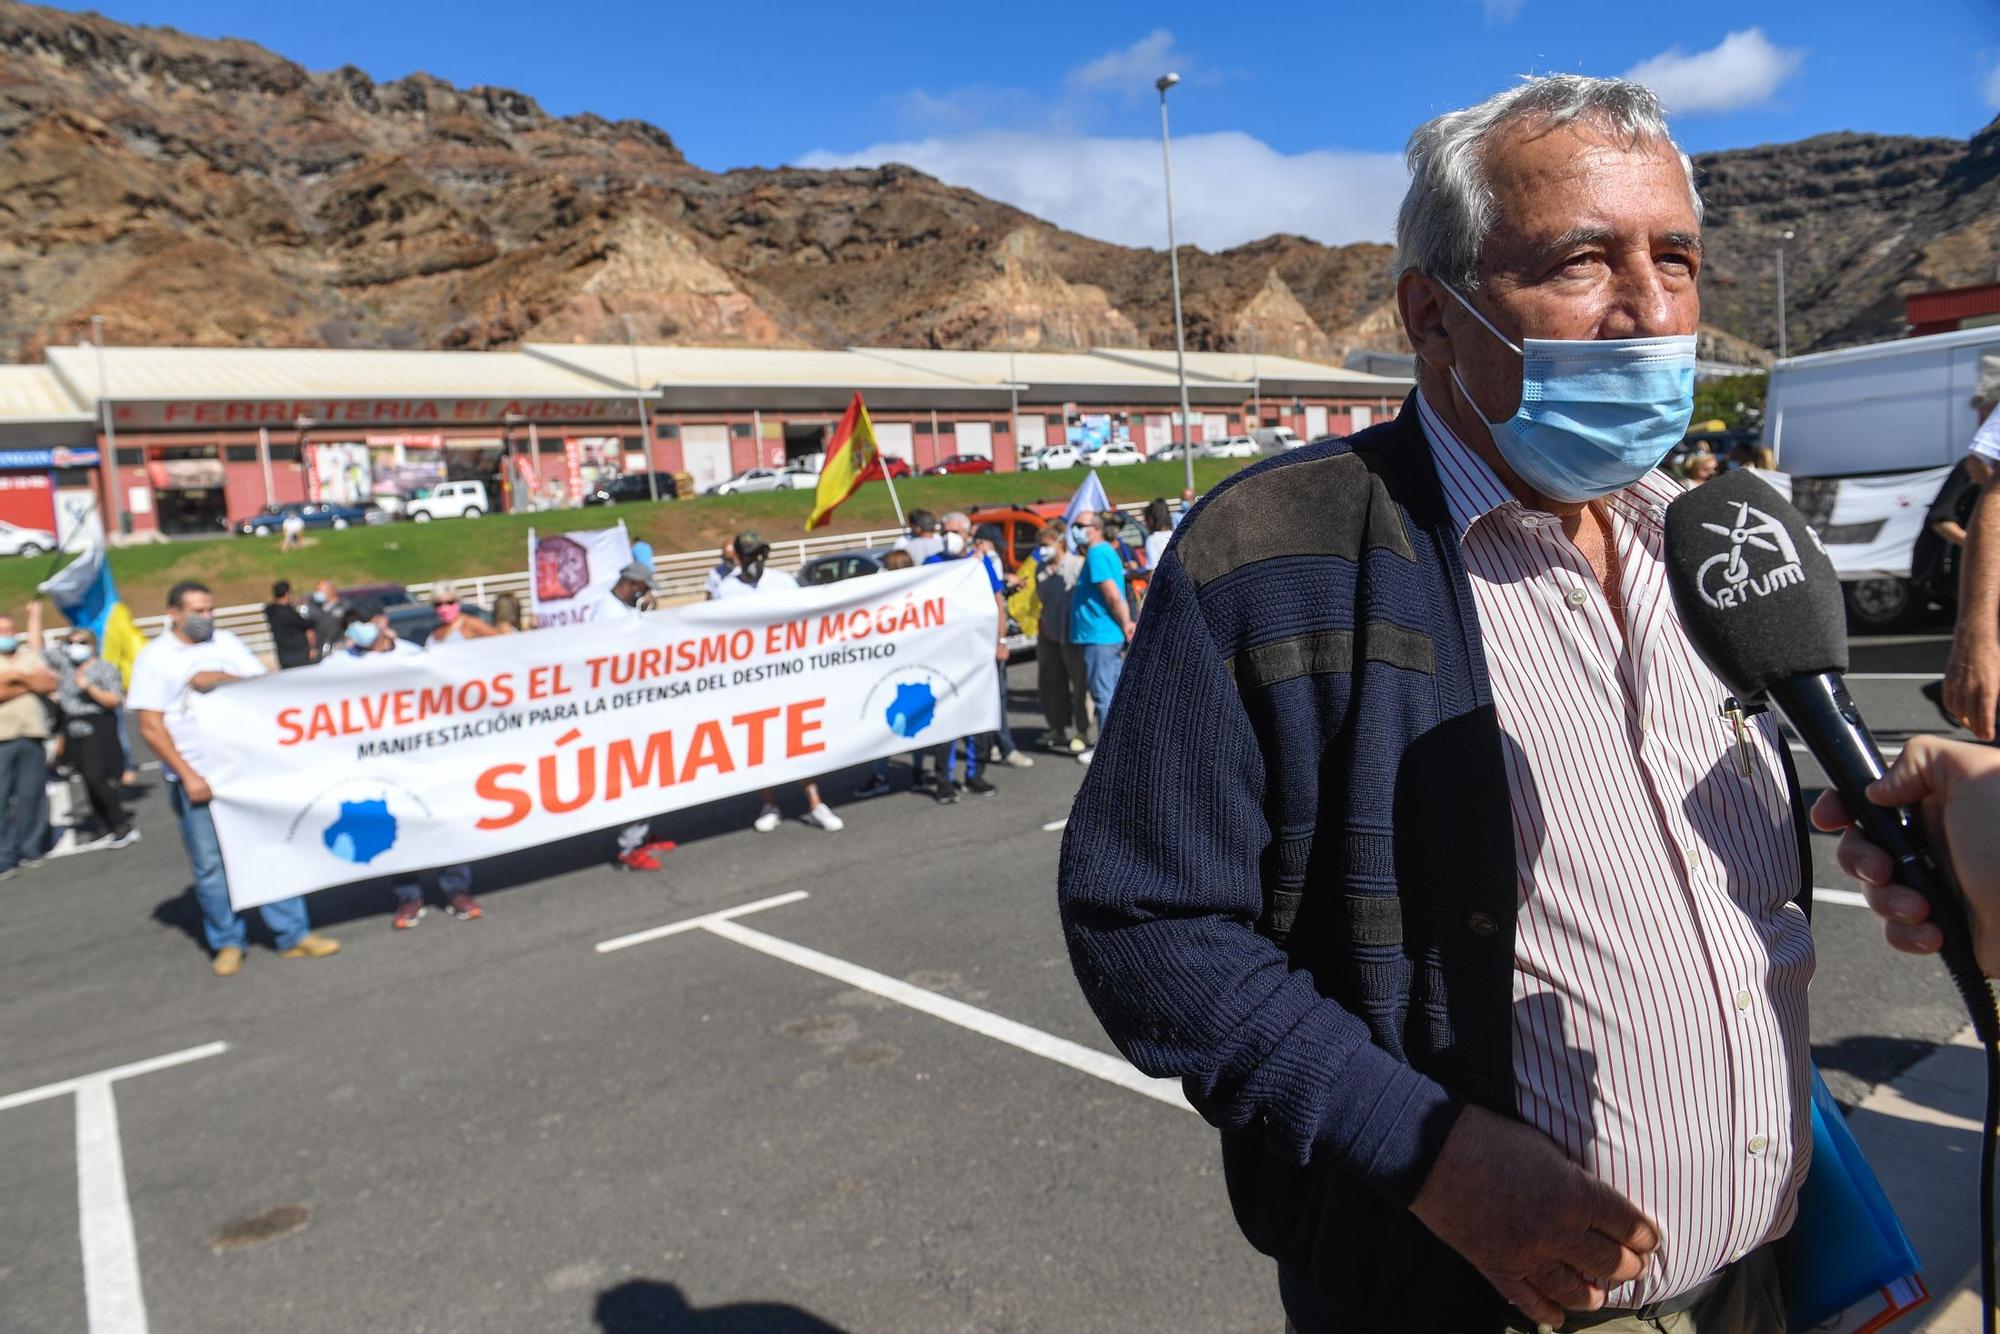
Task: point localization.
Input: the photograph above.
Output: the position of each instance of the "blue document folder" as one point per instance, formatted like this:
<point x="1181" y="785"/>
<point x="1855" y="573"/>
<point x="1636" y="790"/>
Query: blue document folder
<point x="1848" y="1264"/>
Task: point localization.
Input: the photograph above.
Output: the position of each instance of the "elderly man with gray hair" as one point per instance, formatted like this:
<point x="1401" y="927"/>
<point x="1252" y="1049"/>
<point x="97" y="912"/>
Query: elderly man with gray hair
<point x="1464" y="901"/>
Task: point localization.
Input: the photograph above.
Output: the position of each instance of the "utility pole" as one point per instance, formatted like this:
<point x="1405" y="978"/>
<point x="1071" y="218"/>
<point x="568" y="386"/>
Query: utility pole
<point x="1783" y="237"/>
<point x="1164" y="82"/>
<point x="110" y="429"/>
<point x="639" y="398"/>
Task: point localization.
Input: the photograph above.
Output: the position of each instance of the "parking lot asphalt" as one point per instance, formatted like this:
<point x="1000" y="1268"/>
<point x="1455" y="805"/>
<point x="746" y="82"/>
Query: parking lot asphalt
<point x="495" y="1126"/>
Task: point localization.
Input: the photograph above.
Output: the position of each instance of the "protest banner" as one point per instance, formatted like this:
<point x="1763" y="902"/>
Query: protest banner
<point x="568" y="572"/>
<point x="389" y="764"/>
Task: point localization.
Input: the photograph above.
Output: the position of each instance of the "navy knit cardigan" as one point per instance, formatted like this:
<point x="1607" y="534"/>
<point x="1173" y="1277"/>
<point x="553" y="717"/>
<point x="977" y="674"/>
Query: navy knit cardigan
<point x="1289" y="876"/>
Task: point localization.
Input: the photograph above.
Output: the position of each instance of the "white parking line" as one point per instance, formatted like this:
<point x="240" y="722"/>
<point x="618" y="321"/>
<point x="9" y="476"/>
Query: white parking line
<point x="697" y="923"/>
<point x="1892" y="676"/>
<point x="1847" y="898"/>
<point x="1055" y="826"/>
<point x="1111" y="1069"/>
<point x="113" y="1301"/>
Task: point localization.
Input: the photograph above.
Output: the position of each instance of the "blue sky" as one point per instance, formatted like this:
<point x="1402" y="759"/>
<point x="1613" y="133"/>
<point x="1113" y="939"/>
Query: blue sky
<point x="1285" y="121"/>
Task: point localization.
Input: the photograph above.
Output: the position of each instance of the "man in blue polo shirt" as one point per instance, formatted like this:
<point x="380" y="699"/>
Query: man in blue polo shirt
<point x="1100" y="621"/>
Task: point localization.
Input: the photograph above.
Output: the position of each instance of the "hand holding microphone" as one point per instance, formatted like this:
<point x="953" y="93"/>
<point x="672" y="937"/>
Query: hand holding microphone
<point x="1957" y="788"/>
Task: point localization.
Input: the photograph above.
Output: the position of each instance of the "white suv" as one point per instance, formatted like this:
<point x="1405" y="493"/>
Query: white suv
<point x="449" y="500"/>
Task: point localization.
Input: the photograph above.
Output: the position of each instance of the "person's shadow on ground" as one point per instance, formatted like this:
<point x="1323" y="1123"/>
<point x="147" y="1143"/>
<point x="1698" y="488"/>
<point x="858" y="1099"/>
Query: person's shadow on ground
<point x="648" y="1306"/>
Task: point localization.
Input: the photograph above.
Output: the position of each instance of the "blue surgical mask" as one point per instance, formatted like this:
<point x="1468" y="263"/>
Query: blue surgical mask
<point x="9" y="643"/>
<point x="1596" y="414"/>
<point x="363" y="634"/>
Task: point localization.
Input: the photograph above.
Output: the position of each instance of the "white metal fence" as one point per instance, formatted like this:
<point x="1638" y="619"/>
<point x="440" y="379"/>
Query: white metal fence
<point x="679" y="577"/>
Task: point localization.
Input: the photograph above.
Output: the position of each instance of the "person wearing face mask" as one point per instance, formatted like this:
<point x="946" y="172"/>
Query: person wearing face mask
<point x="26" y="683"/>
<point x="89" y="694"/>
<point x="452" y="622"/>
<point x="368" y="631"/>
<point x="751" y="577"/>
<point x="1060" y="680"/>
<point x="1457" y="899"/>
<point x="630" y="595"/>
<point x="327" y="615"/>
<point x="191" y="658"/>
<point x="1100" y="618"/>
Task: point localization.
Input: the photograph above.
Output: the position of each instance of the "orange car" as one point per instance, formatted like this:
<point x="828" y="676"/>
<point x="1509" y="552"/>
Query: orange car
<point x="1022" y="527"/>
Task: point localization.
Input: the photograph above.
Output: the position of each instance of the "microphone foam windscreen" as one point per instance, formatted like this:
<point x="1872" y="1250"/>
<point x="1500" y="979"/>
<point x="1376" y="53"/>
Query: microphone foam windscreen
<point x="1754" y="587"/>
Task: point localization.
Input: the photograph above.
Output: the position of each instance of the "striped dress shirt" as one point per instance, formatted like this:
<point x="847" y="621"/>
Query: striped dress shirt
<point x="1660" y="965"/>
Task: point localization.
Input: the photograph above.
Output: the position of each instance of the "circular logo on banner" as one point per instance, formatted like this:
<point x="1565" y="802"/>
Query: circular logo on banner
<point x="906" y="700"/>
<point x="358" y="820"/>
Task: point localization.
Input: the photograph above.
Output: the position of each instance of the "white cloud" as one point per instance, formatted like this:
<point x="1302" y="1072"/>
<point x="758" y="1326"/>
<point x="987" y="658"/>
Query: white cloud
<point x="1742" y="70"/>
<point x="1132" y="70"/>
<point x="1501" y="11"/>
<point x="1229" y="187"/>
<point x="1990" y="87"/>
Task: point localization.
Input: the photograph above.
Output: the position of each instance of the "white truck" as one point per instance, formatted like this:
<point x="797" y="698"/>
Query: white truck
<point x="1864" y="433"/>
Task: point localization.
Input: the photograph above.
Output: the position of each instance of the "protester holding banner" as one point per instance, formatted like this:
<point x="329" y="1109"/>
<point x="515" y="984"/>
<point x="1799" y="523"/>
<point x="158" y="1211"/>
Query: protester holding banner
<point x="750" y="577"/>
<point x="190" y="659"/>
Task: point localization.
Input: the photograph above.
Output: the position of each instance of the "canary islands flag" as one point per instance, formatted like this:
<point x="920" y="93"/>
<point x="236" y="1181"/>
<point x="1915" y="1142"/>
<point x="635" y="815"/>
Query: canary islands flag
<point x="849" y="456"/>
<point x="87" y="595"/>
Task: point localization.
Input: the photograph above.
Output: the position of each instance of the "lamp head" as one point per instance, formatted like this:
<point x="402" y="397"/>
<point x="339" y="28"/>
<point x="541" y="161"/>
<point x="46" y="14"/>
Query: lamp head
<point x="1166" y="81"/>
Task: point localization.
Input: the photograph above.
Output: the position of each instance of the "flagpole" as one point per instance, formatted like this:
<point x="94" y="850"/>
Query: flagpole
<point x="890" y="480"/>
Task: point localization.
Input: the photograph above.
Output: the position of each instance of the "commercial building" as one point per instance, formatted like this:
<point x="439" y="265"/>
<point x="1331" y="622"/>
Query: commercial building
<point x="1951" y="309"/>
<point x="180" y="440"/>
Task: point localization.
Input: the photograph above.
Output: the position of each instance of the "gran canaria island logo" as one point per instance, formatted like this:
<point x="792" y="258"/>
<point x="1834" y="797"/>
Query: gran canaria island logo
<point x="1761" y="560"/>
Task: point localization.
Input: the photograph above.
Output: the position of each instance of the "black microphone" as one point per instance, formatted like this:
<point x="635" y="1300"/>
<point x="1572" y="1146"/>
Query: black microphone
<point x="1761" y="603"/>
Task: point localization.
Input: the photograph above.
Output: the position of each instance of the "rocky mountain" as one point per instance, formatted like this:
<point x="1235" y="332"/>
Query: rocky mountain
<point x="211" y="192"/>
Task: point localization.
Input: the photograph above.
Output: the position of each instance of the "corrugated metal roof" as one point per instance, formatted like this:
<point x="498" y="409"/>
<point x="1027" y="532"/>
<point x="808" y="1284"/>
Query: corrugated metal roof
<point x="33" y="394"/>
<point x="165" y="373"/>
<point x="745" y="367"/>
<point x="1243" y="367"/>
<point x="1026" y="368"/>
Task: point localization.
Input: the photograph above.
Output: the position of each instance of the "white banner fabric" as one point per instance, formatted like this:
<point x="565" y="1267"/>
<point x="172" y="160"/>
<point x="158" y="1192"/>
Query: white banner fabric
<point x="389" y="764"/>
<point x="569" y="572"/>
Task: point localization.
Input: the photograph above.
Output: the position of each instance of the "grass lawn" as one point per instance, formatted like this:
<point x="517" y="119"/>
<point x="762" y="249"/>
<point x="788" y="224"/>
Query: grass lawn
<point x="240" y="569"/>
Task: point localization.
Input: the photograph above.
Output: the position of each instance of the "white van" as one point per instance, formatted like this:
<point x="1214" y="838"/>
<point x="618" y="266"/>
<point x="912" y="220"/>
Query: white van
<point x="449" y="500"/>
<point x="1899" y="406"/>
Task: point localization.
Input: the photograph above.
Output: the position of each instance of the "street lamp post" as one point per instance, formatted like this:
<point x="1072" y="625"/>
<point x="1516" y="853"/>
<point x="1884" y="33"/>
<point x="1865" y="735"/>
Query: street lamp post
<point x="1783" y="237"/>
<point x="639" y="398"/>
<point x="110" y="428"/>
<point x="1164" y="82"/>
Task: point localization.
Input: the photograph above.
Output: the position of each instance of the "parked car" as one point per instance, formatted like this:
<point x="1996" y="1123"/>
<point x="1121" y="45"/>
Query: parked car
<point x="897" y="468"/>
<point x="1235" y="447"/>
<point x="448" y="500"/>
<point x="1053" y="459"/>
<point x="316" y="514"/>
<point x="629" y="487"/>
<point x="958" y="463"/>
<point x="1172" y="452"/>
<point x="843" y="565"/>
<point x="1116" y="455"/>
<point x="752" y="480"/>
<point x="16" y="541"/>
<point x="801" y="479"/>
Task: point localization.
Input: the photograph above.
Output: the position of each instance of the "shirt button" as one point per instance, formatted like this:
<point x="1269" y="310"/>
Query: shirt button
<point x="1742" y="1000"/>
<point x="1757" y="1145"/>
<point x="1576" y="597"/>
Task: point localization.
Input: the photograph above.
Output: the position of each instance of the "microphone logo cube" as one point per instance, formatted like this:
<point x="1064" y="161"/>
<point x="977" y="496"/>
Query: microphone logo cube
<point x="1761" y="559"/>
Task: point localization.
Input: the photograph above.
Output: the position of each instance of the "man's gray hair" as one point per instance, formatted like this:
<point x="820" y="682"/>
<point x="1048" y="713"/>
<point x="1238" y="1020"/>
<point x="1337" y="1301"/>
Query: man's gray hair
<point x="956" y="518"/>
<point x="1448" y="208"/>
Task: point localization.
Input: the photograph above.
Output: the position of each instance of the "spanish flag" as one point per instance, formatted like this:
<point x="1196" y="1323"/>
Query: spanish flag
<point x="87" y="595"/>
<point x="848" y="459"/>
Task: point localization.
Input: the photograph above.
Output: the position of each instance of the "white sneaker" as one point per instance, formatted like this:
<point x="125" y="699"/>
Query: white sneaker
<point x="993" y="753"/>
<point x="1014" y="759"/>
<point x="823" y="816"/>
<point x="767" y="819"/>
<point x="1083" y="756"/>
